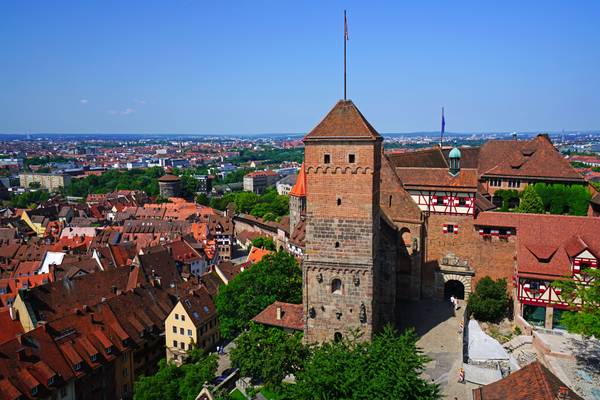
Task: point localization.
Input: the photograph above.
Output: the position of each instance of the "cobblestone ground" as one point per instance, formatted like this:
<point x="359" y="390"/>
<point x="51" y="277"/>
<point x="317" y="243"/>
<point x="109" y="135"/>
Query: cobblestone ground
<point x="437" y="326"/>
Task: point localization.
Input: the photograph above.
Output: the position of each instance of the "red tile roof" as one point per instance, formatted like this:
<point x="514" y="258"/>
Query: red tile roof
<point x="256" y="254"/>
<point x="168" y="178"/>
<point x="532" y="382"/>
<point x="434" y="178"/>
<point x="344" y="121"/>
<point x="291" y="316"/>
<point x="546" y="243"/>
<point x="299" y="188"/>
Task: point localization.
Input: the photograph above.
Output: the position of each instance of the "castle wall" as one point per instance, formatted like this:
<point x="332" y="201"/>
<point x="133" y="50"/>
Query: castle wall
<point x="492" y="257"/>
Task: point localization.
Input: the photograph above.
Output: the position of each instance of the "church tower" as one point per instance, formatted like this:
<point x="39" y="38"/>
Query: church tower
<point x="342" y="163"/>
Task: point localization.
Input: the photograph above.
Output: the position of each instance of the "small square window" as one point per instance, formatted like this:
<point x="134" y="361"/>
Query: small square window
<point x="326" y="159"/>
<point x="462" y="201"/>
<point x="189" y="332"/>
<point x="439" y="201"/>
<point x="182" y="346"/>
<point x="174" y="343"/>
<point x="176" y="316"/>
<point x="181" y="331"/>
<point x="182" y="317"/>
<point x="450" y="228"/>
<point x="351" y="158"/>
<point x="174" y="329"/>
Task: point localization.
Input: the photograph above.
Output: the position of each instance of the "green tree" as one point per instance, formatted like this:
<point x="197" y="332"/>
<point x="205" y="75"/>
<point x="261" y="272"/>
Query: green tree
<point x="178" y="383"/>
<point x="196" y="373"/>
<point x="585" y="298"/>
<point x="531" y="202"/>
<point x="268" y="354"/>
<point x="264" y="242"/>
<point x="203" y="199"/>
<point x="276" y="277"/>
<point x="490" y="300"/>
<point x="162" y="385"/>
<point x="389" y="367"/>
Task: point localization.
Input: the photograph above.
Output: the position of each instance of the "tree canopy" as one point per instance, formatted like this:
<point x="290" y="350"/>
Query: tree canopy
<point x="389" y="367"/>
<point x="269" y="205"/>
<point x="112" y="180"/>
<point x="264" y="242"/>
<point x="276" y="277"/>
<point x="490" y="300"/>
<point x="29" y="199"/>
<point x="178" y="383"/>
<point x="531" y="202"/>
<point x="584" y="296"/>
<point x="268" y="354"/>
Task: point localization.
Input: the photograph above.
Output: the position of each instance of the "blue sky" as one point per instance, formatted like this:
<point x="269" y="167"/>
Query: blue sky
<point x="276" y="66"/>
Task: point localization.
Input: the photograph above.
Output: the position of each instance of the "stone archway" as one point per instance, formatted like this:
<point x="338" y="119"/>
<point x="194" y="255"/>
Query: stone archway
<point x="453" y="288"/>
<point x="464" y="279"/>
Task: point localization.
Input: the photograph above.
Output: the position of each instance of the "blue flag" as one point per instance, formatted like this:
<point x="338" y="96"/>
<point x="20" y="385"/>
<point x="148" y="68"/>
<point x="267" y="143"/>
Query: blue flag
<point x="443" y="121"/>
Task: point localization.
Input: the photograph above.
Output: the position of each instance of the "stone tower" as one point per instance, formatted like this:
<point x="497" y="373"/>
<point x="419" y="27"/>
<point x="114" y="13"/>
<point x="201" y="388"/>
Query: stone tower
<point x="298" y="200"/>
<point x="169" y="185"/>
<point x="342" y="162"/>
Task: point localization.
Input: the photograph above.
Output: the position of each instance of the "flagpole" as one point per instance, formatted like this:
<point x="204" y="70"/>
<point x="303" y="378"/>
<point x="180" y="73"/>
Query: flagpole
<point x="345" y="39"/>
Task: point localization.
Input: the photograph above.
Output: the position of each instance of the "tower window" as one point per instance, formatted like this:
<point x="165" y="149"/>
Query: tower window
<point x="337" y="245"/>
<point x="390" y="201"/>
<point x="351" y="158"/>
<point x="336" y="286"/>
<point x="327" y="159"/>
<point x="339" y="201"/>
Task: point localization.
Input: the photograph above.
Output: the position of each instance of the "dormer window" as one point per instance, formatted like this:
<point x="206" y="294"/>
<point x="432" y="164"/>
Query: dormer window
<point x="51" y="380"/>
<point x="327" y="159"/>
<point x="77" y="367"/>
<point x="94" y="357"/>
<point x="35" y="390"/>
<point x="109" y="350"/>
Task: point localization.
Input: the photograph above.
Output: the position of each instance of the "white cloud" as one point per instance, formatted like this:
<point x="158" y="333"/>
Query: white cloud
<point x="84" y="101"/>
<point x="125" y="111"/>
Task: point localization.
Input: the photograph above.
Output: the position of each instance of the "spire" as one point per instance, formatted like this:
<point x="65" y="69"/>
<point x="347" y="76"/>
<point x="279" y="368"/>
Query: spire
<point x="299" y="189"/>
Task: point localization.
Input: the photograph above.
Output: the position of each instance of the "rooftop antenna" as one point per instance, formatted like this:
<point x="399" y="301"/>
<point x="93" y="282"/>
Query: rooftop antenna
<point x="345" y="40"/>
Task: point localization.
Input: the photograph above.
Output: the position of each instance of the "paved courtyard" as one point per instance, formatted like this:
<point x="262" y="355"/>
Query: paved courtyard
<point x="437" y="326"/>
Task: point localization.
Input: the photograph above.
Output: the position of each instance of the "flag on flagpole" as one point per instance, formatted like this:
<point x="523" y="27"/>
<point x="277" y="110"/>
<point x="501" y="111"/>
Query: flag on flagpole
<point x="345" y="26"/>
<point x="443" y="121"/>
<point x="443" y="128"/>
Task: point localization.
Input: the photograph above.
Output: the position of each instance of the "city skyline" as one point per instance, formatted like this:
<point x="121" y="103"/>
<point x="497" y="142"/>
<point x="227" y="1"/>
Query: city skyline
<point x="195" y="68"/>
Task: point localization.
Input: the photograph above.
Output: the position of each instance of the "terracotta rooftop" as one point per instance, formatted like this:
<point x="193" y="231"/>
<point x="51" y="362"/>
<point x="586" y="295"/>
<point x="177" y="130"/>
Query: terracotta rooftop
<point x="532" y="382"/>
<point x="344" y="121"/>
<point x="546" y="243"/>
<point x="299" y="188"/>
<point x="256" y="254"/>
<point x="291" y="316"/>
<point x="168" y="178"/>
<point x="428" y="178"/>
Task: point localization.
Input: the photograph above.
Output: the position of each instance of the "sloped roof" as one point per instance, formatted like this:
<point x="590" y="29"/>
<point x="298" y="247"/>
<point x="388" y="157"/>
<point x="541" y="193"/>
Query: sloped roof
<point x="532" y="382"/>
<point x="546" y="242"/>
<point x="431" y="178"/>
<point x="168" y="178"/>
<point x="299" y="189"/>
<point x="344" y="121"/>
<point x="291" y="316"/>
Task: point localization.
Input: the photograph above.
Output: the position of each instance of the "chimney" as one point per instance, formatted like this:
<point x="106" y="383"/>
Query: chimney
<point x="279" y="313"/>
<point x="14" y="314"/>
<point x="563" y="393"/>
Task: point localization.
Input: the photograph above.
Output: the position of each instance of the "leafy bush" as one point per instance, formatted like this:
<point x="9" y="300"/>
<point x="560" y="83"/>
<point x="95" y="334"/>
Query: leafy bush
<point x="264" y="242"/>
<point x="531" y="202"/>
<point x="490" y="301"/>
<point x="559" y="198"/>
<point x="110" y="181"/>
<point x="508" y="197"/>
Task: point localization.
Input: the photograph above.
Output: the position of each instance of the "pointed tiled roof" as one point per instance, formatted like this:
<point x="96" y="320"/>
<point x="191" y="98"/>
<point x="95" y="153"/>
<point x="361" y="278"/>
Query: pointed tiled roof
<point x="299" y="189"/>
<point x="344" y="121"/>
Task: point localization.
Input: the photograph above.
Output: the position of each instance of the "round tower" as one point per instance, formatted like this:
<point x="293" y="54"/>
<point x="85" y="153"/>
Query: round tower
<point x="169" y="185"/>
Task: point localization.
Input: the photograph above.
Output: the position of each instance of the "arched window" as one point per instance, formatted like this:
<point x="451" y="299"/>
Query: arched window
<point x="337" y="337"/>
<point x="336" y="286"/>
<point x="339" y="201"/>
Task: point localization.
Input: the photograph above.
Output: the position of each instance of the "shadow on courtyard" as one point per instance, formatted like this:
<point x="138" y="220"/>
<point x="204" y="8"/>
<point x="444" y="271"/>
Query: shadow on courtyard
<point x="424" y="315"/>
